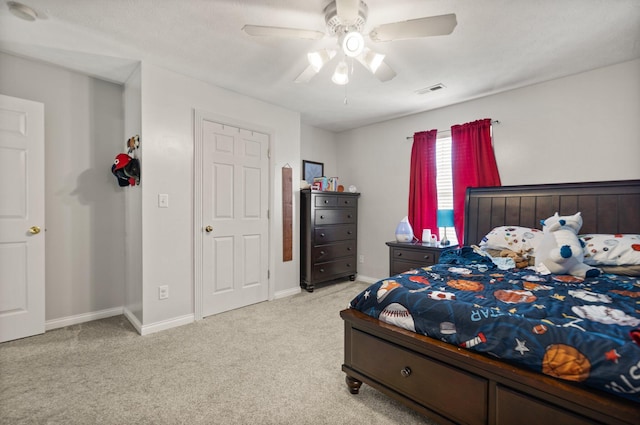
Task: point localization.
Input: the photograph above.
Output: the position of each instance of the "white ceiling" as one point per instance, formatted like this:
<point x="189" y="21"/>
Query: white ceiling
<point x="497" y="45"/>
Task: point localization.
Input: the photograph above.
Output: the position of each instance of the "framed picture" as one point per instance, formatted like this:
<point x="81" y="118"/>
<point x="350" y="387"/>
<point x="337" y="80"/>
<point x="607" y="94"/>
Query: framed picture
<point x="311" y="170"/>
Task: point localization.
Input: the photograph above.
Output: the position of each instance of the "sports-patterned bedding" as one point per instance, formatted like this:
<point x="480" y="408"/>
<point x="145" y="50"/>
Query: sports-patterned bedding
<point x="583" y="331"/>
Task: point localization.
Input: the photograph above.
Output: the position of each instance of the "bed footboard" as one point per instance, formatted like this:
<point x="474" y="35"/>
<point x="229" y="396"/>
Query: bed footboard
<point x="453" y="385"/>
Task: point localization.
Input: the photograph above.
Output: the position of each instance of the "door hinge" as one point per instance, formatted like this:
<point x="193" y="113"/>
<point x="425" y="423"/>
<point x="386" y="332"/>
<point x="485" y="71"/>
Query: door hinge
<point x="269" y="153"/>
<point x="268" y="274"/>
<point x="268" y="213"/>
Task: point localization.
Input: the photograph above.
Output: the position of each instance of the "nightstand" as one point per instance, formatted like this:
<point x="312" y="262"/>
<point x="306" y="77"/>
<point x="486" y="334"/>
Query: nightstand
<point x="405" y="256"/>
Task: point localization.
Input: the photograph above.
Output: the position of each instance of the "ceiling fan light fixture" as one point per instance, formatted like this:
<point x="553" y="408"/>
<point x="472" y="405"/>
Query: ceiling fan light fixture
<point x="319" y="58"/>
<point x="341" y="74"/>
<point x="352" y="44"/>
<point x="22" y="11"/>
<point x="373" y="60"/>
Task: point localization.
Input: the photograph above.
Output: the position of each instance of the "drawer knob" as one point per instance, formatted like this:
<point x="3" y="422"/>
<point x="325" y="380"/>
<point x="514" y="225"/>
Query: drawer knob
<point x="426" y="257"/>
<point x="322" y="235"/>
<point x="349" y="232"/>
<point x="399" y="254"/>
<point x="349" y="215"/>
<point x="321" y="216"/>
<point x="349" y="248"/>
<point x="326" y="201"/>
<point x="321" y="252"/>
<point x="321" y="270"/>
<point x="405" y="372"/>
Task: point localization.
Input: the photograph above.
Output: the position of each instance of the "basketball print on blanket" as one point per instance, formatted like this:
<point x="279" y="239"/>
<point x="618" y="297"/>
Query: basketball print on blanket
<point x="561" y="251"/>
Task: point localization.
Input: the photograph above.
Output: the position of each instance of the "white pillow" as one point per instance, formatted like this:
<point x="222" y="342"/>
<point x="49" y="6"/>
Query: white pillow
<point x="611" y="250"/>
<point x="515" y="238"/>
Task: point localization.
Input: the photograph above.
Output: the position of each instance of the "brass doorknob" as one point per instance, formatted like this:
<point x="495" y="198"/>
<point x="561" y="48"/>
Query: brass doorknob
<point x="208" y="229"/>
<point x="34" y="230"/>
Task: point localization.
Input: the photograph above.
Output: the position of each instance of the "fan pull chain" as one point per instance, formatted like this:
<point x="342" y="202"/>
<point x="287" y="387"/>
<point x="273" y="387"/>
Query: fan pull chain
<point x="346" y="101"/>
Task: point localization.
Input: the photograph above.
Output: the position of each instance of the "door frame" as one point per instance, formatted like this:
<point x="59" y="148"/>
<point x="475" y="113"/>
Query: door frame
<point x="198" y="232"/>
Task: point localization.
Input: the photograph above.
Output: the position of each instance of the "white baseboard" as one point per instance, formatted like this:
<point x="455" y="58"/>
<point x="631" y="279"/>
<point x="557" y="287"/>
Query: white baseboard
<point x="133" y="320"/>
<point x="367" y="279"/>
<point x="81" y="318"/>
<point x="103" y="314"/>
<point x="287" y="293"/>
<point x="166" y="324"/>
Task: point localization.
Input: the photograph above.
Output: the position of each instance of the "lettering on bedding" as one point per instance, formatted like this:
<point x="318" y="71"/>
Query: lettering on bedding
<point x="485" y="313"/>
<point x="630" y="384"/>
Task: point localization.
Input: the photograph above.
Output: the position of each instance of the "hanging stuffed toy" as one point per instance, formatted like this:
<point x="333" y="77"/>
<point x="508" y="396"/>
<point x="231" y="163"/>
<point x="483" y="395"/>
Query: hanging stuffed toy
<point x="126" y="170"/>
<point x="561" y="251"/>
<point x="132" y="144"/>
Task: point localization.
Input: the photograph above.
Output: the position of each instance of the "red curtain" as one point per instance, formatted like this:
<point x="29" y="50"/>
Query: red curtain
<point x="473" y="165"/>
<point x="423" y="195"/>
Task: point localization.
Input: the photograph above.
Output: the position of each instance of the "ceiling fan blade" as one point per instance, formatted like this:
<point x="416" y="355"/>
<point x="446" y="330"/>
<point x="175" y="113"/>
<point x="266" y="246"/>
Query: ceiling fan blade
<point x="384" y="72"/>
<point x="415" y="28"/>
<point x="347" y="10"/>
<point x="262" y="31"/>
<point x="375" y="63"/>
<point x="306" y="75"/>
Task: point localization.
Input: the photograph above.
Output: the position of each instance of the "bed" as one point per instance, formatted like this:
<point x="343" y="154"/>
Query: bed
<point x="453" y="372"/>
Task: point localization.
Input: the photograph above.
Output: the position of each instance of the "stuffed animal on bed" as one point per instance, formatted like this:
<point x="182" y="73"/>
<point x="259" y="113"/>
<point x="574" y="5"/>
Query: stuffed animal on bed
<point x="561" y="251"/>
<point x="520" y="259"/>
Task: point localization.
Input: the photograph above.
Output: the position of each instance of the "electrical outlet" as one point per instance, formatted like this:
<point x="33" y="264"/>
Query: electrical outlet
<point x="361" y="259"/>
<point x="163" y="292"/>
<point x="163" y="200"/>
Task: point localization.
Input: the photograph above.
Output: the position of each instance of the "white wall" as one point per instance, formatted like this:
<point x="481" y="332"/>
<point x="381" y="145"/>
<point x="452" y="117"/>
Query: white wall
<point x="168" y="103"/>
<point x="84" y="205"/>
<point x="319" y="145"/>
<point x="579" y="128"/>
<point x="133" y="204"/>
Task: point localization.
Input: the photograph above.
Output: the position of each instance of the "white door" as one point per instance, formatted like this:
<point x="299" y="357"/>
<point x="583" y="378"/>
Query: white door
<point x="235" y="195"/>
<point x="21" y="218"/>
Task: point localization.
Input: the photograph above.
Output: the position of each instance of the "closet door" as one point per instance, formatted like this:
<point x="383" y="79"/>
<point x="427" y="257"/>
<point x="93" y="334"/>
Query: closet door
<point x="22" y="223"/>
<point x="235" y="199"/>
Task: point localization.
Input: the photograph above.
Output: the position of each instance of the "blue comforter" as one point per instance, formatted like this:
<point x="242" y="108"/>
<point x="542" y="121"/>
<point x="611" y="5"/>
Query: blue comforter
<point x="562" y="326"/>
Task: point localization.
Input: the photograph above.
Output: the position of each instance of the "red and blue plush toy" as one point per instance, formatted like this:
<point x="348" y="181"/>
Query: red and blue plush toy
<point x="126" y="169"/>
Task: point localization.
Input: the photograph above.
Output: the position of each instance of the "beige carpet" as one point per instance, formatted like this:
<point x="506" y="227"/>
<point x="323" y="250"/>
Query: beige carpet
<point x="276" y="362"/>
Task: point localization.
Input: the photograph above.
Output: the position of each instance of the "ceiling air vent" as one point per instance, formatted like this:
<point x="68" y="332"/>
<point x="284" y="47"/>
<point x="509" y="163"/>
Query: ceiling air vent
<point x="431" y="89"/>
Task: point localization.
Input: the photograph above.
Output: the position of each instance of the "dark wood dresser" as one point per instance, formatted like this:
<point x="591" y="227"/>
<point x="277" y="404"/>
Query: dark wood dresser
<point x="405" y="256"/>
<point x="328" y="236"/>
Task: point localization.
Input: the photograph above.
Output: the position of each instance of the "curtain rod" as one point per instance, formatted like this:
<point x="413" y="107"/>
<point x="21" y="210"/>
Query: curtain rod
<point x="449" y="131"/>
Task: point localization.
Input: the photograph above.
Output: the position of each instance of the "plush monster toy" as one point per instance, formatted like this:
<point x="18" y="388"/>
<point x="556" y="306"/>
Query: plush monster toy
<point x="126" y="170"/>
<point x="561" y="251"/>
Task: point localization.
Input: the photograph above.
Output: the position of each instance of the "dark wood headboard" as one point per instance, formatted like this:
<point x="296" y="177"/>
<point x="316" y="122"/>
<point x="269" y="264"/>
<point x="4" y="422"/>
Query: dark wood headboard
<point x="606" y="207"/>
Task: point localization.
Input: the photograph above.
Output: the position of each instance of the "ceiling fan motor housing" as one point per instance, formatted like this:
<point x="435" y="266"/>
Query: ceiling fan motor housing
<point x="337" y="26"/>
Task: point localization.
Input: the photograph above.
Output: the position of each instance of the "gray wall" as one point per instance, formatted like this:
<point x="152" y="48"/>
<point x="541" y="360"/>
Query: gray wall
<point x="84" y="206"/>
<point x="579" y="128"/>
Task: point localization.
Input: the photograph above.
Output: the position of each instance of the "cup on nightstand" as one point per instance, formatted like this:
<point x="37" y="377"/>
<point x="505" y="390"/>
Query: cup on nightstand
<point x="426" y="236"/>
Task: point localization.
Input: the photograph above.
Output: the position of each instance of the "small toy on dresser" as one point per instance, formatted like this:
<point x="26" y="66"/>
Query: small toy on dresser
<point x="561" y="251"/>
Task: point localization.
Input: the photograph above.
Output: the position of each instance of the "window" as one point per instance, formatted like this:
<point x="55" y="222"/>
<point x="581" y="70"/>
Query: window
<point x="444" y="182"/>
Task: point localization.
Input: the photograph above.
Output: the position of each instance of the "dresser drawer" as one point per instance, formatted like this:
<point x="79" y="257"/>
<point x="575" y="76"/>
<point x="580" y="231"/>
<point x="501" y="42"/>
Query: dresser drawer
<point x="326" y="200"/>
<point x="337" y="216"/>
<point x="341" y="267"/>
<point x="511" y="404"/>
<point x="409" y="373"/>
<point x="424" y="258"/>
<point x="329" y="252"/>
<point x="398" y="267"/>
<point x="334" y="233"/>
<point x="335" y="201"/>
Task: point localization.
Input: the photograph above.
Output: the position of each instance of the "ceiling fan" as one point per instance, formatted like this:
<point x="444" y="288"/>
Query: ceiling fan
<point x="345" y="20"/>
